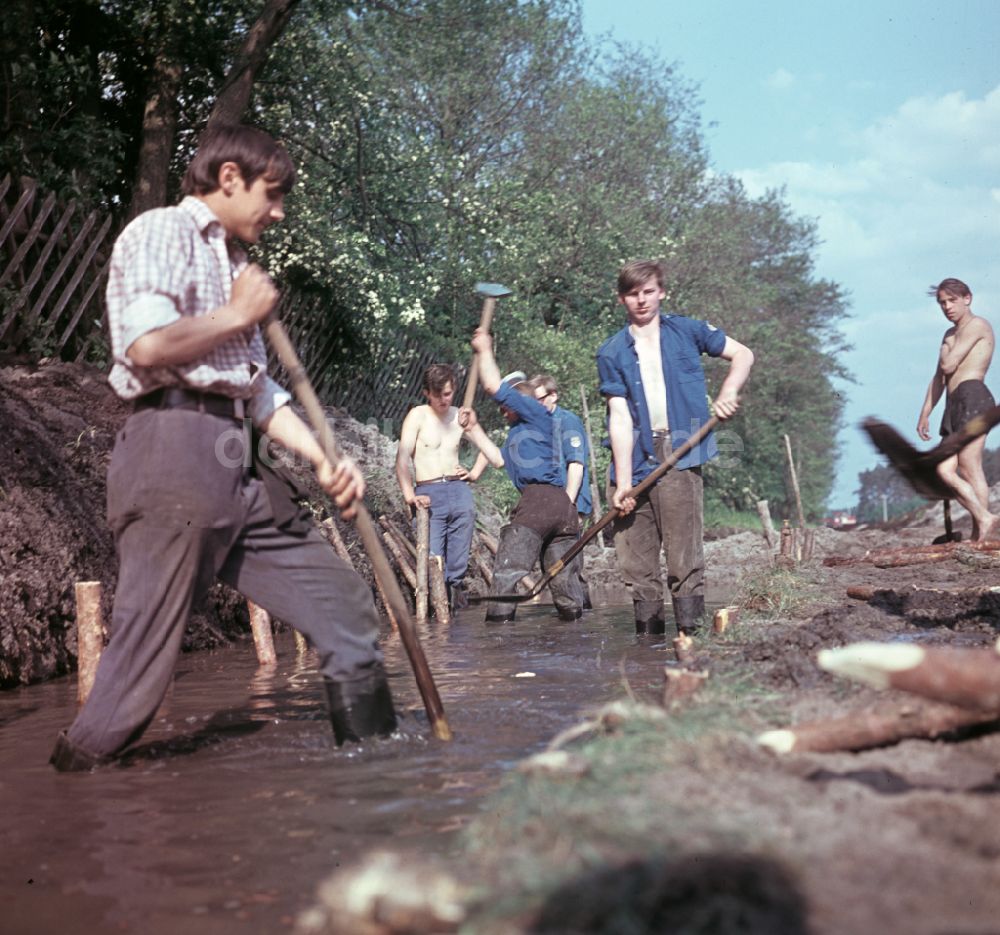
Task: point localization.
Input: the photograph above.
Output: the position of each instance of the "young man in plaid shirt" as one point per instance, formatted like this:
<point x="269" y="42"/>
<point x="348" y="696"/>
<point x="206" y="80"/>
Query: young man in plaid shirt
<point x="184" y="310"/>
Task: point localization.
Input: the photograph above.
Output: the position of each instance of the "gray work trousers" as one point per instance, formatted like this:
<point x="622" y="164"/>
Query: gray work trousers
<point x="184" y="510"/>
<point x="669" y="517"/>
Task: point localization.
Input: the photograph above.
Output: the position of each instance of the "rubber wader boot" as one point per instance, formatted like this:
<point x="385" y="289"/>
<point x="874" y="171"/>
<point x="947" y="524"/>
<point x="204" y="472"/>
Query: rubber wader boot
<point x="649" y="617"/>
<point x="567" y="594"/>
<point x="688" y="612"/>
<point x="69" y="758"/>
<point x="362" y="708"/>
<point x="457" y="598"/>
<point x="517" y="552"/>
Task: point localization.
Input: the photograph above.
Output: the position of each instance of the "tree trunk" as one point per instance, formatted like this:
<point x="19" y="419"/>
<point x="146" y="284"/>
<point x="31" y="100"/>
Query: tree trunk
<point x="233" y="99"/>
<point x="159" y="125"/>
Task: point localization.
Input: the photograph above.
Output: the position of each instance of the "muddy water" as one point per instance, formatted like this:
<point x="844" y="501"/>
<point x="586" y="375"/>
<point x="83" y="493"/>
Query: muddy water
<point x="236" y="803"/>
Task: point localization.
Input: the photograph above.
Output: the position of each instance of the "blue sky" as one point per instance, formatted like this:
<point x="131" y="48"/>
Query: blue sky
<point x="881" y="121"/>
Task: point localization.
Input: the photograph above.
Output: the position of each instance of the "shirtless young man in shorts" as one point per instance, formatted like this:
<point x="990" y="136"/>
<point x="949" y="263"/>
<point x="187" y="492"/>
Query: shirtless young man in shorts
<point x="964" y="357"/>
<point x="430" y="437"/>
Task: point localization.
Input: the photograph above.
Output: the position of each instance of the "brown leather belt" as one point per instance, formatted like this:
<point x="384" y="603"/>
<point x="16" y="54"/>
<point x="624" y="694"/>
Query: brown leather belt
<point x="440" y="480"/>
<point x="178" y="397"/>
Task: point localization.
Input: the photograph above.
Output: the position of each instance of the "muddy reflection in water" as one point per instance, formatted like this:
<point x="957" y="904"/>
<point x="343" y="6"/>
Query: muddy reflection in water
<point x="236" y="803"/>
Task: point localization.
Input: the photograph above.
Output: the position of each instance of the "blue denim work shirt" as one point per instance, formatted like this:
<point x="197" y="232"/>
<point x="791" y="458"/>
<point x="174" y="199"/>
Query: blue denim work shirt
<point x="682" y="342"/>
<point x="573" y="444"/>
<point x="529" y="453"/>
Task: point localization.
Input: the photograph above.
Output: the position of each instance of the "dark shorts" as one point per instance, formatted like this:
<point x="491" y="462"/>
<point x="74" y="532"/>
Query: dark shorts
<point x="970" y="398"/>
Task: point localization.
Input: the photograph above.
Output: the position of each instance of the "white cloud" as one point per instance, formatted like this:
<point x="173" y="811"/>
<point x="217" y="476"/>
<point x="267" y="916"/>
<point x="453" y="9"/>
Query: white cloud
<point x="779" y="80"/>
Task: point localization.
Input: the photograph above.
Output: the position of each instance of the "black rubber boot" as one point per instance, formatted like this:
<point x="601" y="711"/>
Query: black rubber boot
<point x="457" y="598"/>
<point x="362" y="708"/>
<point x="517" y="552"/>
<point x="567" y="594"/>
<point x="689" y="612"/>
<point x="68" y="758"/>
<point x="649" y="617"/>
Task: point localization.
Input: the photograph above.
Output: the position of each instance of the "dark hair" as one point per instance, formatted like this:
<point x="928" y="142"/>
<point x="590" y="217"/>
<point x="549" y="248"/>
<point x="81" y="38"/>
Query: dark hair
<point x="254" y="151"/>
<point x="436" y="376"/>
<point x="950" y="287"/>
<point x="635" y="273"/>
<point x="546" y="382"/>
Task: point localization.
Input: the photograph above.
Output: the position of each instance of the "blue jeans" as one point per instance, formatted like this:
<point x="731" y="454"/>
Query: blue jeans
<point x="452" y="522"/>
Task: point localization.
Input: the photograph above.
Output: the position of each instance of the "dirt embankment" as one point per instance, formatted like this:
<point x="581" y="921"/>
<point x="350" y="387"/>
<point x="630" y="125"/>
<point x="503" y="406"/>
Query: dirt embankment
<point x="59" y="422"/>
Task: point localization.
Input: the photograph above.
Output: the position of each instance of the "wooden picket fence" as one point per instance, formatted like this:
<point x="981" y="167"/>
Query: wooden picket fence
<point x="53" y="268"/>
<point x="51" y="299"/>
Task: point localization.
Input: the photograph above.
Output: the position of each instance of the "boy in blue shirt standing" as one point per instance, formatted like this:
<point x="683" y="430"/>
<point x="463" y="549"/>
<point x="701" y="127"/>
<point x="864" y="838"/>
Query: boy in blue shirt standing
<point x="544" y="524"/>
<point x="652" y="378"/>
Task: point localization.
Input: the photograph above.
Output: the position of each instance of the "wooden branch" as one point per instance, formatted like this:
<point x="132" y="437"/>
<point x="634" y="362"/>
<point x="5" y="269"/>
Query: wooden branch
<point x="967" y="678"/>
<point x="438" y="589"/>
<point x="89" y="636"/>
<point x="680" y="684"/>
<point x="873" y="728"/>
<point x="914" y="555"/>
<point x="764" y="512"/>
<point x="404" y="566"/>
<point x="263" y="636"/>
<point x="420" y="574"/>
<point x="795" y="483"/>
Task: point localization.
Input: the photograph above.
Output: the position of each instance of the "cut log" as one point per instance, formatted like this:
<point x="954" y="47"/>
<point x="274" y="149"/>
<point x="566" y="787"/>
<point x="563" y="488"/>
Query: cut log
<point x="914" y="555"/>
<point x="967" y="678"/>
<point x="724" y="618"/>
<point x="89" y="636"/>
<point x="680" y="684"/>
<point x="401" y="562"/>
<point x="263" y="636"/>
<point x="420" y="573"/>
<point x="683" y="647"/>
<point x="876" y="727"/>
<point x="932" y="605"/>
<point x="439" y="589"/>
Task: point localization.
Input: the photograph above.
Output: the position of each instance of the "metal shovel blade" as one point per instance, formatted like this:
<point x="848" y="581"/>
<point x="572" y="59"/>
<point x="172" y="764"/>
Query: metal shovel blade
<point x="492" y="290"/>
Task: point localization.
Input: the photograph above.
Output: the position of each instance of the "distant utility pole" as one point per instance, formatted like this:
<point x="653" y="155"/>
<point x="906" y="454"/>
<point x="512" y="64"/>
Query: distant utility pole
<point x="885" y="511"/>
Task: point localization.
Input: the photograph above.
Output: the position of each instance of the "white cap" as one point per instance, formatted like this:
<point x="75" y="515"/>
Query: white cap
<point x="515" y="377"/>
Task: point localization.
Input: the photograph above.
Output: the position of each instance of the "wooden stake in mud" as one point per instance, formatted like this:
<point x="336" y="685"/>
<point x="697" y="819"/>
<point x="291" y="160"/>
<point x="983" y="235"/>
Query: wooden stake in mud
<point x="89" y="636"/>
<point x="263" y="637"/>
<point x="366" y="531"/>
<point x="439" y="589"/>
<point x="423" y="546"/>
<point x="764" y="512"/>
<point x="795" y="482"/>
<point x="595" y="492"/>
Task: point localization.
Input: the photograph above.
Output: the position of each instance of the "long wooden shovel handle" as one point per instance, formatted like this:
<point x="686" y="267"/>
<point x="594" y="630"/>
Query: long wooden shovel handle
<point x="607" y="518"/>
<point x="282" y="345"/>
<point x="485" y="321"/>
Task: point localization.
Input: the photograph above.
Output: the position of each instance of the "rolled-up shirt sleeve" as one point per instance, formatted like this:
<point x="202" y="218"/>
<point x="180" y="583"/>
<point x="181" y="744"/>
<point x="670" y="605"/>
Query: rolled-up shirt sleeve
<point x="611" y="380"/>
<point x="146" y="282"/>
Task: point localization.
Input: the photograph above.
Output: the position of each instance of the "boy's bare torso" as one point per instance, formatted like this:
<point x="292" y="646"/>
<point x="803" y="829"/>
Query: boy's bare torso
<point x="435" y="453"/>
<point x="979" y="356"/>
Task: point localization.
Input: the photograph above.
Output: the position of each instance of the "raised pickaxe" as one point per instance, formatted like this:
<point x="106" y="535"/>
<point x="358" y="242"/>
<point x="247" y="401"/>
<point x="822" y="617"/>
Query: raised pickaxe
<point x="491" y="291"/>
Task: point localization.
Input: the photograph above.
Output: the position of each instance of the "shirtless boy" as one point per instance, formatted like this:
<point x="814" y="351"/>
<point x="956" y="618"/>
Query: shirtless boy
<point x="964" y="357"/>
<point x="430" y="437"/>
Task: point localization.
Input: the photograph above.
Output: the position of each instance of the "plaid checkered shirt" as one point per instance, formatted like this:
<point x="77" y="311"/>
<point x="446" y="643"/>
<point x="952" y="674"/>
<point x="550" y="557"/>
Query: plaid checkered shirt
<point x="170" y="263"/>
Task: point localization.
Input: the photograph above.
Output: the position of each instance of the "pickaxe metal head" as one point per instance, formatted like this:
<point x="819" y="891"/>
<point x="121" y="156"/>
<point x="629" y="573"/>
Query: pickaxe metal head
<point x="492" y="290"/>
